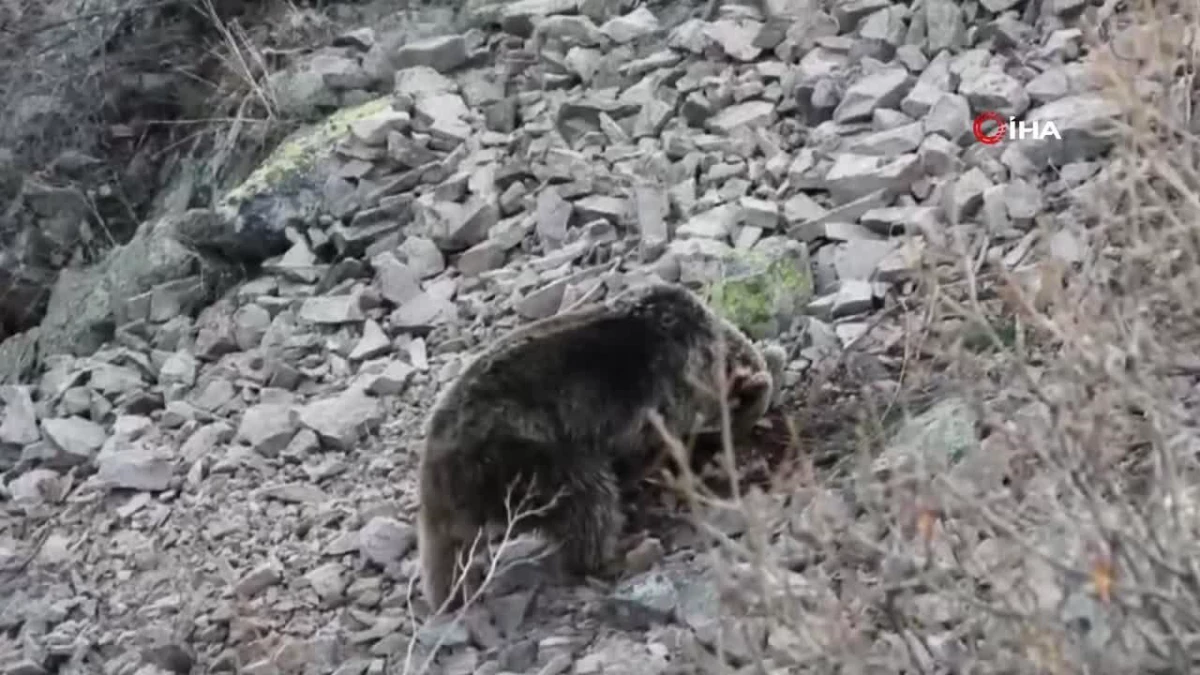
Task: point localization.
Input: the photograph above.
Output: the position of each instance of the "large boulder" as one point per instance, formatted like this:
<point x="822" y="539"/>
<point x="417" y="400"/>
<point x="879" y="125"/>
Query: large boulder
<point x="158" y="270"/>
<point x="288" y="188"/>
<point x="68" y="189"/>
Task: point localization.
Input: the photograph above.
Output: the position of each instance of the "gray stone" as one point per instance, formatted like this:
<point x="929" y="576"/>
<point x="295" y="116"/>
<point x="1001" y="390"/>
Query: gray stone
<point x="302" y="90"/>
<point x="1085" y="122"/>
<point x="214" y="395"/>
<point x="215" y="335"/>
<point x="176" y="298"/>
<point x="939" y="156"/>
<point x="268" y="428"/>
<point x="950" y="117"/>
<point x="833" y="230"/>
<point x="373" y="343"/>
<point x="391" y="380"/>
<point x="397" y="282"/>
<point x="342" y="419"/>
<point x="736" y="38"/>
<point x="553" y="214"/>
<point x="424" y="311"/>
<point x="860" y="258"/>
<point x="746" y="115"/>
<point x="250" y="325"/>
<point x="643" y="600"/>
<point x="135" y="467"/>
<point x="652" y="207"/>
<point x="759" y="213"/>
<point x="544" y="301"/>
<point x="444" y="115"/>
<point x="20" y="425"/>
<point x="19" y="356"/>
<point x="259" y="579"/>
<point x="454" y="227"/>
<point x="178" y="369"/>
<point x="114" y="380"/>
<point x="716" y="223"/>
<point x="854" y="296"/>
<point x="613" y="209"/>
<point x="83" y="304"/>
<point x="888" y="142"/>
<point x="1067" y="246"/>
<point x="1023" y="201"/>
<point x="883" y="89"/>
<point x="35" y="486"/>
<point x="1048" y="86"/>
<point x="965" y="196"/>
<point x="131" y="426"/>
<point x="77" y="439"/>
<point x="328" y="582"/>
<point x="854" y="176"/>
<point x="902" y="263"/>
<point x="994" y="213"/>
<point x="944" y="25"/>
<point x="800" y="208"/>
<point x="334" y="309"/>
<point x="294" y="493"/>
<point x="638" y="23"/>
<point x="887" y="26"/>
<point x="482" y="257"/>
<point x="442" y="54"/>
<point x="421" y="80"/>
<point x="936" y="79"/>
<point x="374" y="129"/>
<point x="995" y="91"/>
<point x="422" y="256"/>
<point x="384" y="541"/>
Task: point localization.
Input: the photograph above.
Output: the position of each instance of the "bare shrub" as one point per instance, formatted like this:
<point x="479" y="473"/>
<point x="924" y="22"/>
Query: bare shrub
<point x="1067" y="540"/>
<point x="481" y="565"/>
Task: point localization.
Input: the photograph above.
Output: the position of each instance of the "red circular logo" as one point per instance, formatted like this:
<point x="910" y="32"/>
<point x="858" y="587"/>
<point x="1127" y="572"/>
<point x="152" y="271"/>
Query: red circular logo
<point x="994" y="137"/>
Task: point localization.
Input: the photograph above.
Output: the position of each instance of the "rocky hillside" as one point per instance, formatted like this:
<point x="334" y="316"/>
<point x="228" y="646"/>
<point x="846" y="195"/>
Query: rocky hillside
<point x="207" y="446"/>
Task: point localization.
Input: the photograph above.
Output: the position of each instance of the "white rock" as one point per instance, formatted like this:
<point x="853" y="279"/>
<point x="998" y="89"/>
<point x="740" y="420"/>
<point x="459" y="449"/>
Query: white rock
<point x="77" y="438"/>
<point x="267" y="428"/>
<point x="20" y="425"/>
<point x="374" y="342"/>
<point x="342" y="419"/>
<point x="332" y="309"/>
<point x="385" y="540"/>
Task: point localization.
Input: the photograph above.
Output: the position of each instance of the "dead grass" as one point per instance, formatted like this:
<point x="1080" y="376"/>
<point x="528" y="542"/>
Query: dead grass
<point x="147" y="94"/>
<point x="141" y="86"/>
<point x="1067" y="541"/>
<point x="476" y="573"/>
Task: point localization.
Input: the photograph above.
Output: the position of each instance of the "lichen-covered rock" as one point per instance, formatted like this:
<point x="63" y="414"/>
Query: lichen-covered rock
<point x="763" y="289"/>
<point x="86" y="305"/>
<point x="288" y="187"/>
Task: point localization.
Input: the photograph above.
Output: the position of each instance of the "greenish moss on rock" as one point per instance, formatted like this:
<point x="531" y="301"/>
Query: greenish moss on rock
<point x="299" y="152"/>
<point x="761" y="292"/>
<point x="288" y="188"/>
